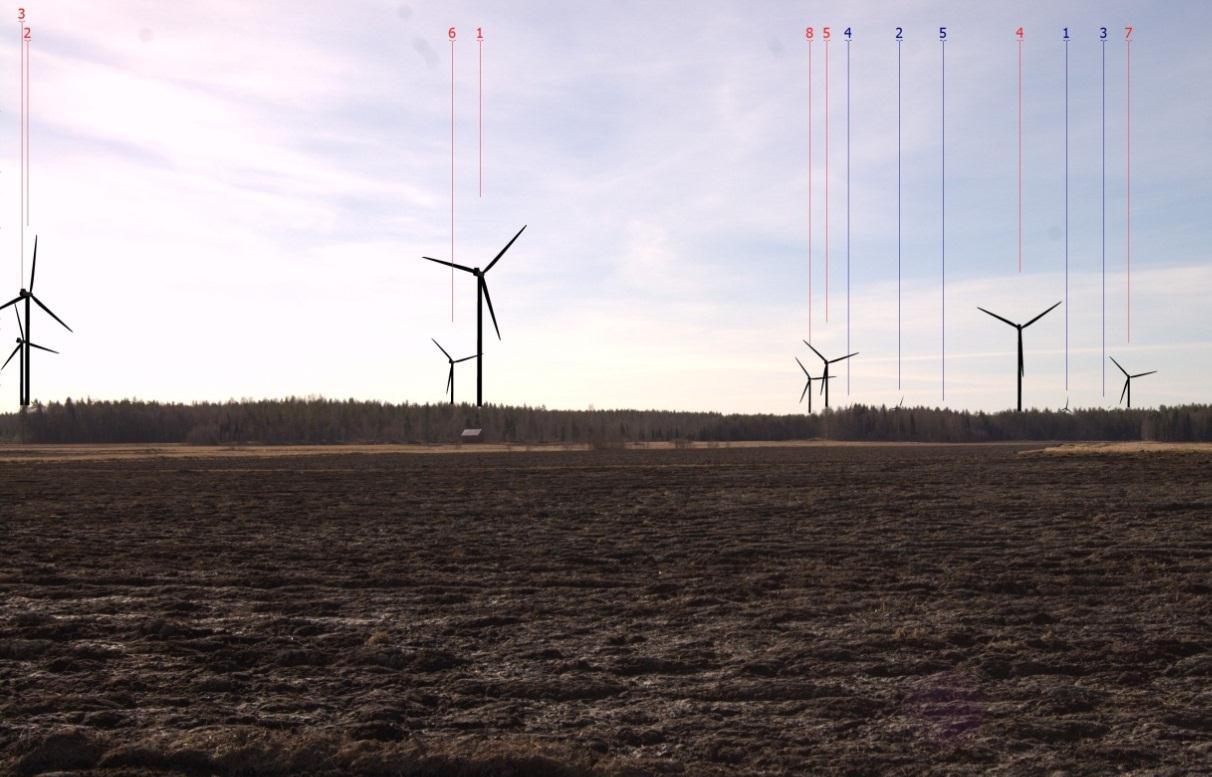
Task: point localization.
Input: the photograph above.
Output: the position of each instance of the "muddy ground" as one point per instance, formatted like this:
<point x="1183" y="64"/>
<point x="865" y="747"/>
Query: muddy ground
<point x="835" y="610"/>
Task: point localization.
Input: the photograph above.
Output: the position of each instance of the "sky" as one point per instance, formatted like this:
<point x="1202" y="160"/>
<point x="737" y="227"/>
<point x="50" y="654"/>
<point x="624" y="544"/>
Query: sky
<point x="232" y="200"/>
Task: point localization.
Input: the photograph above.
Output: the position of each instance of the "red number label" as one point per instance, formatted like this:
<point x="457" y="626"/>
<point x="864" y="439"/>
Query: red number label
<point x="479" y="33"/>
<point x="825" y="33"/>
<point x="451" y="33"/>
<point x="26" y="35"/>
<point x="1127" y="33"/>
<point x="808" y="33"/>
<point x="20" y="14"/>
<point x="1019" y="33"/>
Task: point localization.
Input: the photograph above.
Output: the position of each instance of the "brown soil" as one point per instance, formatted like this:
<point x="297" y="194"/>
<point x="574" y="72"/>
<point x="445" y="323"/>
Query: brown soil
<point x="835" y="610"/>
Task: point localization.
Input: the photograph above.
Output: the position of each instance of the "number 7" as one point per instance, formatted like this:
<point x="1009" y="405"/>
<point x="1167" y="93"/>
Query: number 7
<point x="1127" y="33"/>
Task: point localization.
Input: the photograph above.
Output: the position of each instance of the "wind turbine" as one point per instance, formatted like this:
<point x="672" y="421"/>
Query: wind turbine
<point x="24" y="345"/>
<point x="1128" y="381"/>
<point x="453" y="362"/>
<point x="808" y="386"/>
<point x="1020" y="328"/>
<point x="825" y="376"/>
<point x="481" y="296"/>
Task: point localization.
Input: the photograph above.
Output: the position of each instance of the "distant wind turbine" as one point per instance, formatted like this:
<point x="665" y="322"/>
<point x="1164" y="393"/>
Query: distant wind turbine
<point x="453" y="362"/>
<point x="481" y="296"/>
<point x="825" y="376"/>
<point x="1020" y="328"/>
<point x="1128" y="381"/>
<point x="22" y="343"/>
<point x="28" y="296"/>
<point x="808" y="386"/>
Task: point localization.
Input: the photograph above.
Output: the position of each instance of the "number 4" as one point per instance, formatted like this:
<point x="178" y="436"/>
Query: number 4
<point x="1019" y="33"/>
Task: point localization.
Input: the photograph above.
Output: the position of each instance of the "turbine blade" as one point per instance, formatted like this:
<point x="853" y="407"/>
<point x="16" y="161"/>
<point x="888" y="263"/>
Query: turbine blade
<point x="1121" y="367"/>
<point x="823" y="380"/>
<point x="34" y="269"/>
<point x="13" y="301"/>
<point x="1041" y="315"/>
<point x="999" y="318"/>
<point x="802" y="367"/>
<point x="805" y="391"/>
<point x="1143" y="374"/>
<point x="440" y="348"/>
<point x="41" y="348"/>
<point x="465" y="358"/>
<point x="497" y="258"/>
<point x="48" y="310"/>
<point x="10" y="356"/>
<point x="488" y="299"/>
<point x="1022" y="369"/>
<point x="843" y="358"/>
<point x="20" y="328"/>
<point x="1125" y="391"/>
<point x="450" y="264"/>
<point x="814" y="350"/>
<point x="449" y="380"/>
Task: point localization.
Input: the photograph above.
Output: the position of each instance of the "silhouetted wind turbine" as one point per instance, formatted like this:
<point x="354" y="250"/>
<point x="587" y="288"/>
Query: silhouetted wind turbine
<point x="825" y="376"/>
<point x="481" y="296"/>
<point x="808" y="386"/>
<point x="1128" y="381"/>
<point x="22" y="344"/>
<point x="28" y="296"/>
<point x="1020" y="328"/>
<point x="453" y="362"/>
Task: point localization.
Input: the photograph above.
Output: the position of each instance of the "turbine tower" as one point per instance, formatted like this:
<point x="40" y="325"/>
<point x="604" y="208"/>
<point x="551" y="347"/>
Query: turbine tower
<point x="825" y="376"/>
<point x="808" y="386"/>
<point x="24" y="344"/>
<point x="453" y="362"/>
<point x="1128" y="381"/>
<point x="481" y="296"/>
<point x="1020" y="328"/>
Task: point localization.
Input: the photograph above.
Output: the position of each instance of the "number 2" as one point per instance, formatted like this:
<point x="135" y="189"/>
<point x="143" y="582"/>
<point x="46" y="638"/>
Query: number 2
<point x="900" y="33"/>
<point x="26" y="35"/>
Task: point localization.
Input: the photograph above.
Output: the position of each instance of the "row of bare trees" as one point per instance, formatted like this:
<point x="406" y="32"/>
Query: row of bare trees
<point x="324" y="421"/>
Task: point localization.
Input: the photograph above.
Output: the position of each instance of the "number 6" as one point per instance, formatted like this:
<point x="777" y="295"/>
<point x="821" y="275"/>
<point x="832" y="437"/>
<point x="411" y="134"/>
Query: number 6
<point x="451" y="33"/>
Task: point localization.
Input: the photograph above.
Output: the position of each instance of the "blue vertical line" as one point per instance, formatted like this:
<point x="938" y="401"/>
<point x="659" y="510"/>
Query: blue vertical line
<point x="1066" y="215"/>
<point x="898" y="215"/>
<point x="943" y="215"/>
<point x="1104" y="213"/>
<point x="847" y="214"/>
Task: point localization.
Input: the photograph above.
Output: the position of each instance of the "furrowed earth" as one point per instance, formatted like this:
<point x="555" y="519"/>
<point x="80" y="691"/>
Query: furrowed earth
<point x="830" y="610"/>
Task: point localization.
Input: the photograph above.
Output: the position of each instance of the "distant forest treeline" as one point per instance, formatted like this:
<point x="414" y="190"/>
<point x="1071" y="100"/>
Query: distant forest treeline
<point x="323" y="421"/>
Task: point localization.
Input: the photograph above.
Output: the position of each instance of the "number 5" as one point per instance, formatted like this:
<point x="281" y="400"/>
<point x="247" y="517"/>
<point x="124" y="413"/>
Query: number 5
<point x="825" y="33"/>
<point x="942" y="33"/>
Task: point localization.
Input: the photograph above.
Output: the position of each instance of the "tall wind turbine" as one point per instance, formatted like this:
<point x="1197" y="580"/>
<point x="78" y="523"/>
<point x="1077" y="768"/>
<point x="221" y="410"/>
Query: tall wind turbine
<point x="27" y="297"/>
<point x="1020" y="328"/>
<point x="1128" y="381"/>
<point x="825" y="376"/>
<point x="22" y="344"/>
<point x="481" y="296"/>
<point x="808" y="386"/>
<point x="453" y="362"/>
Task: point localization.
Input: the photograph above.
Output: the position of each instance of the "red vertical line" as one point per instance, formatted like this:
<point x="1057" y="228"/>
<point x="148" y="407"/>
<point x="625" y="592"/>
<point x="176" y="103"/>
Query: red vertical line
<point x="826" y="181"/>
<point x="1020" y="155"/>
<point x="1128" y="179"/>
<point x="809" y="191"/>
<point x="481" y="125"/>
<point x="452" y="174"/>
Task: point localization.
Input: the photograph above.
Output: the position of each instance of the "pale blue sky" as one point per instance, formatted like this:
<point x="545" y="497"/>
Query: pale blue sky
<point x="233" y="198"/>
